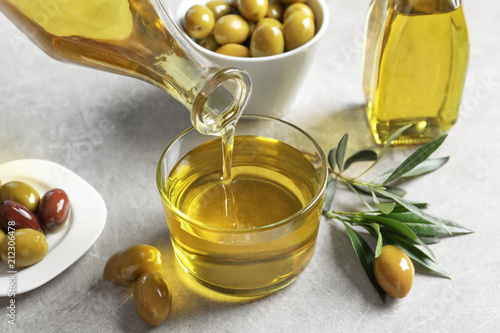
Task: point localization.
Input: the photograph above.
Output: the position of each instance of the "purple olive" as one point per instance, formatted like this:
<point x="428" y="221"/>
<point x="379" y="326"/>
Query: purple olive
<point x="54" y="209"/>
<point x="16" y="216"/>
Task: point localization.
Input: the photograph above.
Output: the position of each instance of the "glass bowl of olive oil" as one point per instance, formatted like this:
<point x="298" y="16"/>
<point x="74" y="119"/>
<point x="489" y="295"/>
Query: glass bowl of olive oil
<point x="254" y="233"/>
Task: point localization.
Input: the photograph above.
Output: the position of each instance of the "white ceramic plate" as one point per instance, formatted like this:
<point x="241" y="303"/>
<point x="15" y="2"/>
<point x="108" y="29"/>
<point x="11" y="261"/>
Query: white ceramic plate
<point x="66" y="245"/>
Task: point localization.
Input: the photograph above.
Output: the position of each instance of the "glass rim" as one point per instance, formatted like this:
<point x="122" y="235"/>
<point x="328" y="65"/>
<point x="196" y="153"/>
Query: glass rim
<point x="314" y="199"/>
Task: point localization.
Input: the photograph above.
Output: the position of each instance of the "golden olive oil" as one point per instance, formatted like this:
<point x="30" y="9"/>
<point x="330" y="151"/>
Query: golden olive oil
<point x="415" y="66"/>
<point x="230" y="233"/>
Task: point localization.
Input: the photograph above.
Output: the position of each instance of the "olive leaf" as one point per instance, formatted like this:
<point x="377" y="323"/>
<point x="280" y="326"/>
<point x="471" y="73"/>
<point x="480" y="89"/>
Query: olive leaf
<point x="384" y="208"/>
<point x="426" y="166"/>
<point x="420" y="155"/>
<point x="424" y="228"/>
<point x="365" y="256"/>
<point x="415" y="253"/>
<point x="329" y="194"/>
<point x="331" y="158"/>
<point x="395" y="190"/>
<point x="340" y="154"/>
<point x="395" y="225"/>
<point x="361" y="156"/>
<point x="380" y="239"/>
<point x="429" y="240"/>
<point x="366" y="189"/>
<point x="393" y="137"/>
<point x="414" y="209"/>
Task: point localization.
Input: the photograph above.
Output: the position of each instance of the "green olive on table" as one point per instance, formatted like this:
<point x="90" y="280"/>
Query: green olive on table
<point x="231" y="28"/>
<point x="124" y="267"/>
<point x="234" y="50"/>
<point x="152" y="298"/>
<point x="297" y="7"/>
<point x="199" y="21"/>
<point x="275" y="10"/>
<point x="22" y="193"/>
<point x="253" y="10"/>
<point x="394" y="271"/>
<point x="30" y="247"/>
<point x="267" y="40"/>
<point x="219" y="8"/>
<point x="298" y="29"/>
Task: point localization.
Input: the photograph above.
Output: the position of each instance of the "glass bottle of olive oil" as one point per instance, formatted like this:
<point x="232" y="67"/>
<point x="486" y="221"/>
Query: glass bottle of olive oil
<point x="416" y="56"/>
<point x="136" y="38"/>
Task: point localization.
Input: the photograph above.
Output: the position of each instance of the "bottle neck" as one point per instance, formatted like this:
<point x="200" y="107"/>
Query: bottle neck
<point x="215" y="96"/>
<point x="221" y="101"/>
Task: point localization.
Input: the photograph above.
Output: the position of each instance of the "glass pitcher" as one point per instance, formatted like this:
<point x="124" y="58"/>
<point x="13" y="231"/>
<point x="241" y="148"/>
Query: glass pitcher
<point x="136" y="38"/>
<point x="416" y="56"/>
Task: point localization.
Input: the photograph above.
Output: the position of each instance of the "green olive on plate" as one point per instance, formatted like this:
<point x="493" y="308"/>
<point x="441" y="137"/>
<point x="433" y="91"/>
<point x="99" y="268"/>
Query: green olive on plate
<point x="2" y="237"/>
<point x="22" y="193"/>
<point x="29" y="245"/>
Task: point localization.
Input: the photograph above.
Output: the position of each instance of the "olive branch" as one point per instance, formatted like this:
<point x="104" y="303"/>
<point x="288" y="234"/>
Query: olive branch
<point x="394" y="220"/>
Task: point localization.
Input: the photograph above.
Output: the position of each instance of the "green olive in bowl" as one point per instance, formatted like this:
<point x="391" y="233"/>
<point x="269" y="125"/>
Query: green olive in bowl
<point x="231" y="28"/>
<point x="275" y="10"/>
<point x="297" y="7"/>
<point x="253" y="10"/>
<point x="199" y="21"/>
<point x="234" y="50"/>
<point x="267" y="40"/>
<point x="219" y="8"/>
<point x="298" y="29"/>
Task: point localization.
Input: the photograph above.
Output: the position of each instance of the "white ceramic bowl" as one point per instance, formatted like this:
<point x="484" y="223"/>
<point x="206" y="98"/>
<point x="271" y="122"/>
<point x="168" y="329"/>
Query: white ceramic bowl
<point x="276" y="79"/>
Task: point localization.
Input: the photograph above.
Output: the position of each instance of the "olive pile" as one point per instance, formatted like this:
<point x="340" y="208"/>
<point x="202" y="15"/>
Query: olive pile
<point x="250" y="28"/>
<point x="24" y="217"/>
<point x="140" y="264"/>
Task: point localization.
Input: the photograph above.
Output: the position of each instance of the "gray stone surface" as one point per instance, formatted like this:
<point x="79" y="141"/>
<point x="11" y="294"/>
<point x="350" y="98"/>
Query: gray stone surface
<point x="111" y="130"/>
